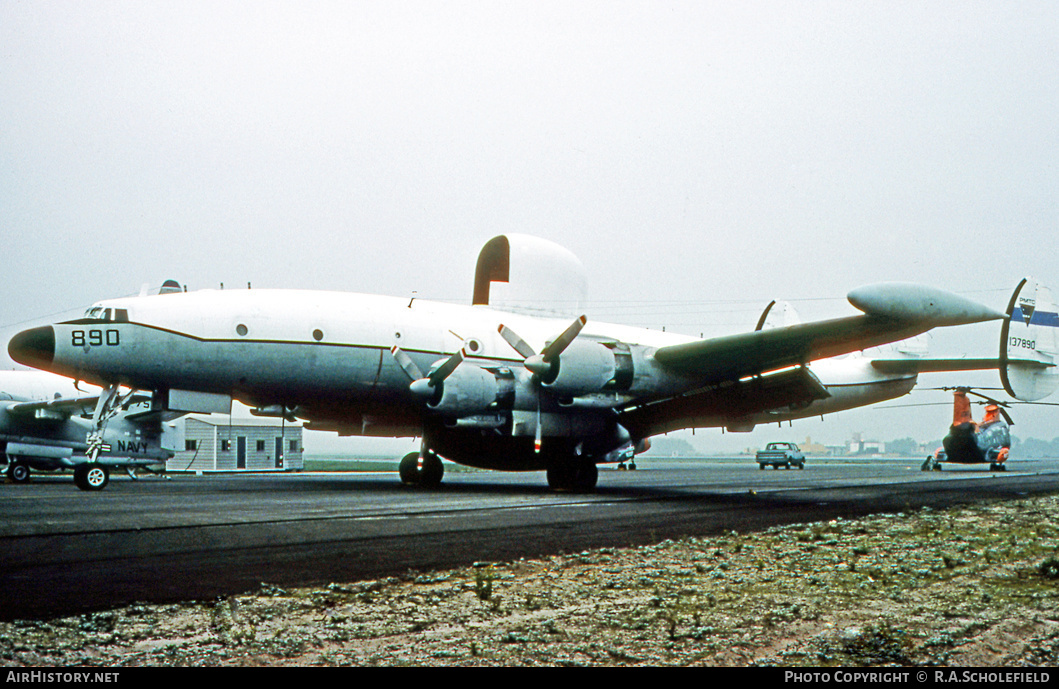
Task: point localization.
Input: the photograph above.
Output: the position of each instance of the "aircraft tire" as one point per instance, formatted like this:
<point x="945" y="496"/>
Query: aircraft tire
<point x="433" y="470"/>
<point x="18" y="472"/>
<point x="91" y="477"/>
<point x="409" y="469"/>
<point x="587" y="476"/>
<point x="576" y="476"/>
<point x="430" y="474"/>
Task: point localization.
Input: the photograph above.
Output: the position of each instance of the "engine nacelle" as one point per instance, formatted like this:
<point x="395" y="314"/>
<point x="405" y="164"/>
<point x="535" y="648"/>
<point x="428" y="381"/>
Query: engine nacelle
<point x="586" y="367"/>
<point x="468" y="390"/>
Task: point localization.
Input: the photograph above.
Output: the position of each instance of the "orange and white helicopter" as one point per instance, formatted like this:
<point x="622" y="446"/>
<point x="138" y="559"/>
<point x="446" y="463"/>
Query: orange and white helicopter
<point x="969" y="442"/>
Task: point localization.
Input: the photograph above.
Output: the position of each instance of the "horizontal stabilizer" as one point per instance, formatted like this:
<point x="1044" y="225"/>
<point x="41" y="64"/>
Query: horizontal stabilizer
<point x="914" y="366"/>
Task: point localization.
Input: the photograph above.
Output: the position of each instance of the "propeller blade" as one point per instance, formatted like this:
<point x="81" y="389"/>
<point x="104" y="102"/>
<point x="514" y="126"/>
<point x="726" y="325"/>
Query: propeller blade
<point x="445" y="370"/>
<point x="516" y="342"/>
<point x="406" y="363"/>
<point x="560" y="343"/>
<point x="985" y="397"/>
<point x="537" y="432"/>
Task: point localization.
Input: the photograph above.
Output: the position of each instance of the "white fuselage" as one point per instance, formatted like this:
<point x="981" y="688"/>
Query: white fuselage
<point x="329" y="357"/>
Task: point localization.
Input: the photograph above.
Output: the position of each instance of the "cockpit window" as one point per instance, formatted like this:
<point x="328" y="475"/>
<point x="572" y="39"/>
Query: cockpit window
<point x="99" y="313"/>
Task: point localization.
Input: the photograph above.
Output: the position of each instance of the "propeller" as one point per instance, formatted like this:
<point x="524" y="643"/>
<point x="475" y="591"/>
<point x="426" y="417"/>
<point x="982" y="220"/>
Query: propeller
<point x="428" y="387"/>
<point x="1001" y="406"/>
<point x="544" y="366"/>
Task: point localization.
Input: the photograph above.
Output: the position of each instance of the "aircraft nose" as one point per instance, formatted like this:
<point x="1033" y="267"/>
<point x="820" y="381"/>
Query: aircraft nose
<point x="34" y="347"/>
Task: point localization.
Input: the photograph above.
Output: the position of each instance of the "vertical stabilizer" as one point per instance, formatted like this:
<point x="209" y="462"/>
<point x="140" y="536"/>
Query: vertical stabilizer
<point x="1029" y="343"/>
<point x="778" y="314"/>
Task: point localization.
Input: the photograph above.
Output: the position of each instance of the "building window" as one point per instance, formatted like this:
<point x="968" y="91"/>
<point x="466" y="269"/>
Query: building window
<point x="294" y="446"/>
<point x="260" y="445"/>
<point x="191" y="444"/>
<point x="226" y="445"/>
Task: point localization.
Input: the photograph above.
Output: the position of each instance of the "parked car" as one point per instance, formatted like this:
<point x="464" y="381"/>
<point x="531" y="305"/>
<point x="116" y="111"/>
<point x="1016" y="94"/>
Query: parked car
<point x="781" y="455"/>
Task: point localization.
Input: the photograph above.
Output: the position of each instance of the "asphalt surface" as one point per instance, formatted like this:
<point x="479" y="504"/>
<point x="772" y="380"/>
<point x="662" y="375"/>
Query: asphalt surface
<point x="66" y="551"/>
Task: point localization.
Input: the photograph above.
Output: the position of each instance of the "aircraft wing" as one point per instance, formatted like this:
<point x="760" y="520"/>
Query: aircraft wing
<point x="892" y="312"/>
<point x="732" y="401"/>
<point x="64" y="407"/>
<point x="57" y="408"/>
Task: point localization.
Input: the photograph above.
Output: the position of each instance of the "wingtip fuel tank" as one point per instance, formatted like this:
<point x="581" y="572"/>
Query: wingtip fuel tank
<point x="920" y="303"/>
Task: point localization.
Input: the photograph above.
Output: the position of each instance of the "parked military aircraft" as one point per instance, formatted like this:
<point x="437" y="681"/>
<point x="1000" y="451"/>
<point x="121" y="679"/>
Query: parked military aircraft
<point x="518" y="380"/>
<point x="46" y="424"/>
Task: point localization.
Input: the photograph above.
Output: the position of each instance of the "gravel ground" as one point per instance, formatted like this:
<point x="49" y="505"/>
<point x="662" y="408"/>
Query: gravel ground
<point x="971" y="586"/>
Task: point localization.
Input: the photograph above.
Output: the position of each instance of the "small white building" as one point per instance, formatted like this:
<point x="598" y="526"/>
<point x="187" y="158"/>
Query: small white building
<point x="220" y="443"/>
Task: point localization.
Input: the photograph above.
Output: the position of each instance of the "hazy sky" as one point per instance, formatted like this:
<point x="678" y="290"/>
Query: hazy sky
<point x="700" y="158"/>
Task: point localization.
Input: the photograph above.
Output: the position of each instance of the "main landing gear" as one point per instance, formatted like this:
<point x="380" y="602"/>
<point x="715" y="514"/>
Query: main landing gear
<point x="421" y="469"/>
<point x="575" y="475"/>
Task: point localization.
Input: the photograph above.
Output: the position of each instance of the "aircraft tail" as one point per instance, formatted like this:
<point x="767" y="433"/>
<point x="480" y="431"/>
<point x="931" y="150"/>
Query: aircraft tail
<point x="1029" y="343"/>
<point x="1029" y="348"/>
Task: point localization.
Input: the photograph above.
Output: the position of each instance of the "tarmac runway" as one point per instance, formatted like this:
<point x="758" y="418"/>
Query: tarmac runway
<point x="66" y="551"/>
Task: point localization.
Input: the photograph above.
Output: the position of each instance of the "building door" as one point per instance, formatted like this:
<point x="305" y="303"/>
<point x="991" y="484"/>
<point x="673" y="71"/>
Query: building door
<point x="240" y="452"/>
<point x="279" y="453"/>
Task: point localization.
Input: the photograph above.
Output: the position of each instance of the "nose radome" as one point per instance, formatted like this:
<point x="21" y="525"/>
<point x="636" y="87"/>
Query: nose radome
<point x="34" y="347"/>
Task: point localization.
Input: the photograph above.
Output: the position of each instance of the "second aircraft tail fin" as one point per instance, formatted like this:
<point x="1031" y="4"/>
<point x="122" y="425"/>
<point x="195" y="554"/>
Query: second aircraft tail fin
<point x="1029" y="343"/>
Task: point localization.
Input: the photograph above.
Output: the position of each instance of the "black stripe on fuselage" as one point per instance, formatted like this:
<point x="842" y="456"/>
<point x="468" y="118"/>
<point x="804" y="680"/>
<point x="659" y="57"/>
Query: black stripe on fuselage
<point x="348" y="345"/>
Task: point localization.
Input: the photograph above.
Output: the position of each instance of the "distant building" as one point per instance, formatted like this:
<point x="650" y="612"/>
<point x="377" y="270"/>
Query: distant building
<point x="811" y="448"/>
<point x="865" y="447"/>
<point x="218" y="443"/>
